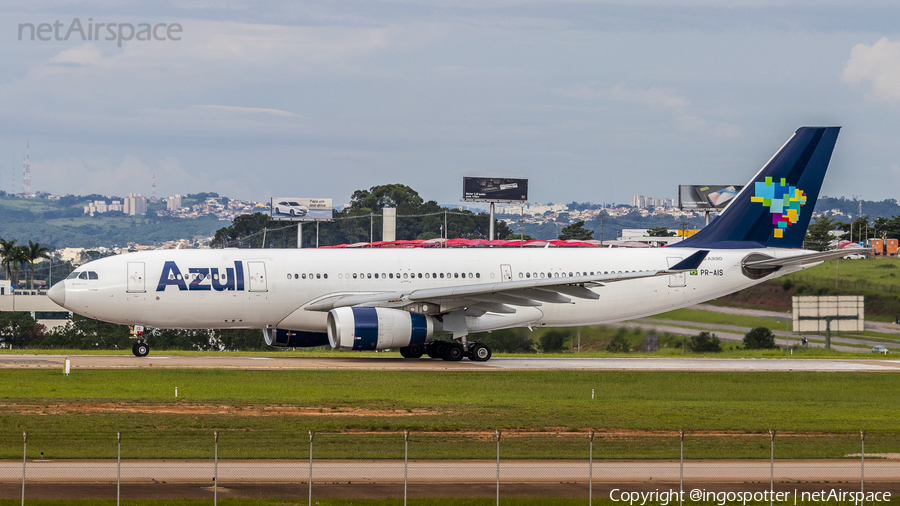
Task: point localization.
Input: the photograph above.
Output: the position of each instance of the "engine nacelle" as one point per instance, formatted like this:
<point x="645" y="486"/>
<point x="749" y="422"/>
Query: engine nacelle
<point x="283" y="338"/>
<point x="377" y="328"/>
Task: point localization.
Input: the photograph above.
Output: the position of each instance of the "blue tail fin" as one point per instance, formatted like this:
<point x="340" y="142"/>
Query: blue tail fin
<point x="774" y="208"/>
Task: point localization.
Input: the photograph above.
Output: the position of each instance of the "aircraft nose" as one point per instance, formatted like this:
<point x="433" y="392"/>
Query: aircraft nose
<point x="57" y="293"/>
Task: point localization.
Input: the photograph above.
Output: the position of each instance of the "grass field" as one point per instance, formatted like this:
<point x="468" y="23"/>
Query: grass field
<point x="88" y="405"/>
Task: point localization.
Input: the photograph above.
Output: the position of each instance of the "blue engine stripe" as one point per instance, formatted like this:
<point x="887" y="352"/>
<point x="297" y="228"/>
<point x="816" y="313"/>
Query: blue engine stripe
<point x="365" y="333"/>
<point x="419" y="328"/>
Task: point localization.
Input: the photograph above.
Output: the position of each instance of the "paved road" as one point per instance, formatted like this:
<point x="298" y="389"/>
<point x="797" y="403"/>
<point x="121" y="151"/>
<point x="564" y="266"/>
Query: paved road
<point x="472" y="471"/>
<point x="348" y="361"/>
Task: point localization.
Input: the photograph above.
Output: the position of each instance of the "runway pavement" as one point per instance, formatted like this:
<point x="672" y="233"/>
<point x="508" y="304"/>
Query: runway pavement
<point x="450" y="471"/>
<point x="496" y="364"/>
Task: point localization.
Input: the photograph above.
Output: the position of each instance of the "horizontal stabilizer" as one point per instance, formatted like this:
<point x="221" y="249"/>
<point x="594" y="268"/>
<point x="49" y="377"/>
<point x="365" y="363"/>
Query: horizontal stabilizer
<point x="797" y="260"/>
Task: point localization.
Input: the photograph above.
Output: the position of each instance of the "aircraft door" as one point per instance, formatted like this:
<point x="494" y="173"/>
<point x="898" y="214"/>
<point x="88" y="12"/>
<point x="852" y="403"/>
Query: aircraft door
<point x="505" y="273"/>
<point x="136" y="277"/>
<point x="257" y="274"/>
<point x="675" y="280"/>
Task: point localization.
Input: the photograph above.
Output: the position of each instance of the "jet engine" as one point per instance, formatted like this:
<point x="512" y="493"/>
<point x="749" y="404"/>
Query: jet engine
<point x="377" y="328"/>
<point x="283" y="338"/>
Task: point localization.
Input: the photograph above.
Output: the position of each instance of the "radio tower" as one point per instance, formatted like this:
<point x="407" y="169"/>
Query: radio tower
<point x="153" y="193"/>
<point x="26" y="180"/>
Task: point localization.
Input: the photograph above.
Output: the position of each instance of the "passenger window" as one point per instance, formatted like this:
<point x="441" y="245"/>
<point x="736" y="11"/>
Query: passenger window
<point x="520" y="275"/>
<point x="528" y="275"/>
<point x="404" y="275"/>
<point x="557" y="275"/>
<point x="420" y="275"/>
<point x="478" y="275"/>
<point x="354" y="275"/>
<point x="318" y="276"/>
<point x="325" y="276"/>
<point x="455" y="274"/>
<point x="391" y="275"/>
<point x="535" y="275"/>
<point x="289" y="276"/>
<point x="434" y="275"/>
<point x="427" y="276"/>
<point x="442" y="275"/>
<point x="369" y="276"/>
<point x="570" y="274"/>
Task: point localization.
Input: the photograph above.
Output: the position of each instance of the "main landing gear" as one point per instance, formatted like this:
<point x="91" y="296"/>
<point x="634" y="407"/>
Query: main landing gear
<point x="449" y="351"/>
<point x="140" y="348"/>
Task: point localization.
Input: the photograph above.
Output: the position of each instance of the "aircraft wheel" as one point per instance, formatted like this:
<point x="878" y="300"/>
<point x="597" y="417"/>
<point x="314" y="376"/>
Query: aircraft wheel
<point x="453" y="352"/>
<point x="433" y="350"/>
<point x="140" y="349"/>
<point x="480" y="352"/>
<point x="413" y="351"/>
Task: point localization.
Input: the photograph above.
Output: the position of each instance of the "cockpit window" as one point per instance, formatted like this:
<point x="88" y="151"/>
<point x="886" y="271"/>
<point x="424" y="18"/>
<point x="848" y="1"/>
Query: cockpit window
<point x="73" y="275"/>
<point x="83" y="275"/>
<point x="92" y="275"/>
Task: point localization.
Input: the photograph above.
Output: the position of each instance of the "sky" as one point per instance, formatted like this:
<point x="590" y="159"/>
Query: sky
<point x="592" y="101"/>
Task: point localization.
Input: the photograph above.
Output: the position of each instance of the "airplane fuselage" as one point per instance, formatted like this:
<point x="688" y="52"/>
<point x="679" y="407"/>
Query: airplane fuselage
<point x="263" y="288"/>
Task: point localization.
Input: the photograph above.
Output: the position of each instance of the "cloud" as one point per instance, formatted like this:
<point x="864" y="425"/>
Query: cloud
<point x="103" y="176"/>
<point x="879" y="64"/>
<point x="654" y="97"/>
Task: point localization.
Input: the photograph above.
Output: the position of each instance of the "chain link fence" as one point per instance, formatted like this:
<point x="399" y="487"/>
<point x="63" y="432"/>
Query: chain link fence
<point x="199" y="463"/>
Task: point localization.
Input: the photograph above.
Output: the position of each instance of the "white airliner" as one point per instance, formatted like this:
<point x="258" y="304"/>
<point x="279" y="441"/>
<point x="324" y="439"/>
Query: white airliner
<point x="404" y="298"/>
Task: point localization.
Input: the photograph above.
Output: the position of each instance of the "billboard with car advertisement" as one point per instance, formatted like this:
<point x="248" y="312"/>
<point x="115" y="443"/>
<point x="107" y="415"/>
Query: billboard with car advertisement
<point x="297" y="209"/>
<point x="494" y="189"/>
<point x="706" y="197"/>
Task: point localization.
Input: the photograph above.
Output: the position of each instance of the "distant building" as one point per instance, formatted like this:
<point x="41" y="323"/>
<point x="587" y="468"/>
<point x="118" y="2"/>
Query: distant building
<point x="135" y="204"/>
<point x="173" y="203"/>
<point x="643" y="201"/>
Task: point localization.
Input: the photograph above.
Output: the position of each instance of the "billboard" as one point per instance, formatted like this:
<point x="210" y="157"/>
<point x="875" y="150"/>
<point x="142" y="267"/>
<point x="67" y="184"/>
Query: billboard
<point x="494" y="189"/>
<point x="708" y="197"/>
<point x="296" y="209"/>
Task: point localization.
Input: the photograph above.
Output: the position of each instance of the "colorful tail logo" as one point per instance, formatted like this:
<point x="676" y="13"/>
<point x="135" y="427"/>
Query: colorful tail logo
<point x="783" y="201"/>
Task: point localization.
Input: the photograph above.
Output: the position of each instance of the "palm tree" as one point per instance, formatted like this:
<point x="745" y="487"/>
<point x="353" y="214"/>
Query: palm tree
<point x="6" y="255"/>
<point x="19" y="257"/>
<point x="34" y="252"/>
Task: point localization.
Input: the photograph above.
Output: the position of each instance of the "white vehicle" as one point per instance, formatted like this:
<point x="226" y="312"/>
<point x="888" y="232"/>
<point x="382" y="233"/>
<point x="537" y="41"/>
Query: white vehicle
<point x="291" y="208"/>
<point x="854" y="256"/>
<point x="406" y="298"/>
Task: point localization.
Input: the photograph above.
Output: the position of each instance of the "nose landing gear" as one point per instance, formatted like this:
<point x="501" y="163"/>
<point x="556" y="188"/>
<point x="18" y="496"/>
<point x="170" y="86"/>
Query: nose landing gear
<point x="140" y="348"/>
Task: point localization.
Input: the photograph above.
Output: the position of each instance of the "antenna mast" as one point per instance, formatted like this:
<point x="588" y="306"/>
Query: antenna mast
<point x="26" y="181"/>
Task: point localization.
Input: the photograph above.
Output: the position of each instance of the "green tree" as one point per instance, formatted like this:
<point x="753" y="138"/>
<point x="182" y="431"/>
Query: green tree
<point x="576" y="231"/>
<point x="20" y="329"/>
<point x="619" y="342"/>
<point x="34" y="252"/>
<point x="818" y="235"/>
<point x="86" y="333"/>
<point x="660" y="232"/>
<point x="241" y="339"/>
<point x="759" y="338"/>
<point x="705" y="342"/>
<point x="553" y="341"/>
<point x="7" y="255"/>
<point x="506" y="340"/>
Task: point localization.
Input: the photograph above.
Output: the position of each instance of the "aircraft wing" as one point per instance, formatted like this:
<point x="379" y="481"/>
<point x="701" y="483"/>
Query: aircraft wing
<point x="500" y="297"/>
<point x="809" y="258"/>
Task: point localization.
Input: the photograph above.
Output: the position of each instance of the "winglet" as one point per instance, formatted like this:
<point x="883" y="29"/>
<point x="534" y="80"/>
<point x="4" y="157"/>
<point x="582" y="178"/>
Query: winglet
<point x="690" y="263"/>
